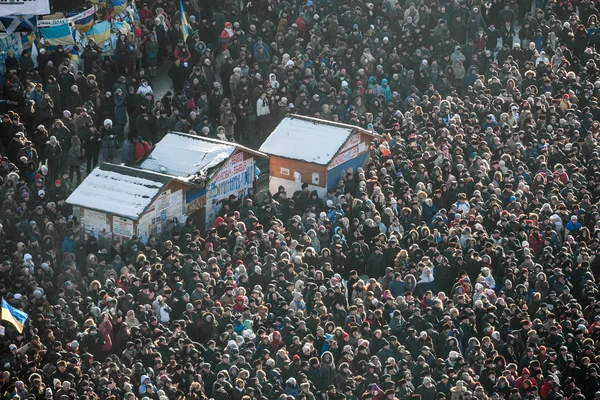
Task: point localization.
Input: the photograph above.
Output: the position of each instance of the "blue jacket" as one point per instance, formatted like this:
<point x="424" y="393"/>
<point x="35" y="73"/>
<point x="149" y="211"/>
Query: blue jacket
<point x="573" y="226"/>
<point x="69" y="245"/>
<point x="127" y="152"/>
<point x="397" y="288"/>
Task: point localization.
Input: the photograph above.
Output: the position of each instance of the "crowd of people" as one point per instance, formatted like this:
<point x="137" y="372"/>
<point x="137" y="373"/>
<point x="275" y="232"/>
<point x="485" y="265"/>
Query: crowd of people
<point x="459" y="263"/>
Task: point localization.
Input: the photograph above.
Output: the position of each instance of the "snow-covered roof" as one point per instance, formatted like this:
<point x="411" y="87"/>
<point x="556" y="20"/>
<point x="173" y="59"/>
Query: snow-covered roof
<point x="118" y="190"/>
<point x="183" y="156"/>
<point x="308" y="139"/>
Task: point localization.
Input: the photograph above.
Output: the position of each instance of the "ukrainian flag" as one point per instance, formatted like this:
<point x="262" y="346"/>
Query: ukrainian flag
<point x="57" y="34"/>
<point x="184" y="24"/>
<point x="118" y="6"/>
<point x="13" y="316"/>
<point x="100" y="32"/>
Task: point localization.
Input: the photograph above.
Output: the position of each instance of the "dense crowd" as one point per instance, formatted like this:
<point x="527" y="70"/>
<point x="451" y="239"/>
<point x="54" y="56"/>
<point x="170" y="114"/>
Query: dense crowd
<point x="459" y="263"/>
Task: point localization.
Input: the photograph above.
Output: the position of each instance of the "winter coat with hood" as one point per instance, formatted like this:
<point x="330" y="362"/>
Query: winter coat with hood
<point x="322" y="376"/>
<point x="53" y="89"/>
<point x="75" y="152"/>
<point x="426" y="281"/>
<point x="142" y="388"/>
<point x="292" y="388"/>
<point x="273" y="82"/>
<point x="53" y="151"/>
<point x="458" y="392"/>
<point x="120" y="109"/>
<point x="410" y="283"/>
<point x="397" y="287"/>
<point x="127" y="151"/>
<point x="228" y="121"/>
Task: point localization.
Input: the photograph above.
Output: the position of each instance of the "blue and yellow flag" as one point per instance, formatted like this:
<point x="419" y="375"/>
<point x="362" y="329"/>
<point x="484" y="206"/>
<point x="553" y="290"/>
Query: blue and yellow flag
<point x="184" y="24"/>
<point x="100" y="32"/>
<point x="57" y="34"/>
<point x="13" y="316"/>
<point x="118" y="6"/>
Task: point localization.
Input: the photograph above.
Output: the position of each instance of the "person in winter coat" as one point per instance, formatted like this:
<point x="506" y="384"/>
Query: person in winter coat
<point x="262" y="112"/>
<point x="91" y="144"/>
<point x="427" y="390"/>
<point x="11" y="62"/>
<point x="292" y="388"/>
<point x="161" y="309"/>
<point x="26" y="62"/>
<point x="144" y="126"/>
<point x="228" y="121"/>
<point x="89" y="56"/>
<point x="107" y="107"/>
<point x="151" y="50"/>
<point x="573" y="227"/>
<point x="30" y="153"/>
<point x="178" y="73"/>
<point x="53" y="154"/>
<point x="120" y="112"/>
<point x="426" y="281"/>
<point x="182" y="53"/>
<point x="73" y="99"/>
<point x="397" y="287"/>
<point x="105" y="328"/>
<point x="53" y="89"/>
<point x="144" y="88"/>
<point x="37" y="94"/>
<point x="74" y="158"/>
<point x="109" y="141"/>
<point x="141" y="148"/>
<point x="127" y="152"/>
<point x="69" y="244"/>
<point x="163" y="124"/>
<point x="15" y="146"/>
<point x="62" y="134"/>
<point x="226" y="35"/>
<point x="122" y="54"/>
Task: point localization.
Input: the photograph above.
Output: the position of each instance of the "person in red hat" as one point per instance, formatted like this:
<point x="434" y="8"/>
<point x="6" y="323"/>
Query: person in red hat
<point x="226" y="35"/>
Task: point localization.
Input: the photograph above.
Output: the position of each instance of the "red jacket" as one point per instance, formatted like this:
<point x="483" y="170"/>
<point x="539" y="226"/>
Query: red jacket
<point x="145" y="14"/>
<point x="301" y="25"/>
<point x="180" y="54"/>
<point x="546" y="389"/>
<point x="141" y="148"/>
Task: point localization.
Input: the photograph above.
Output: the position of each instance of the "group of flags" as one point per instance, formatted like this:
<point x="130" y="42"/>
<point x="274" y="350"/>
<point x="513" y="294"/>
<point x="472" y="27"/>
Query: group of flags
<point x="62" y="31"/>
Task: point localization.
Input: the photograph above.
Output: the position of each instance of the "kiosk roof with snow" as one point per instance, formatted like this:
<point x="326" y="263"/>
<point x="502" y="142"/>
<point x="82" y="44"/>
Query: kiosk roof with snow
<point x="118" y="190"/>
<point x="305" y="150"/>
<point x="183" y="156"/>
<point x="308" y="139"/>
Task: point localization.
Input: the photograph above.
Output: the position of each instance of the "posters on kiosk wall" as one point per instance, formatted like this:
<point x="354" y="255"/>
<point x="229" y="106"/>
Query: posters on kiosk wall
<point x="24" y="7"/>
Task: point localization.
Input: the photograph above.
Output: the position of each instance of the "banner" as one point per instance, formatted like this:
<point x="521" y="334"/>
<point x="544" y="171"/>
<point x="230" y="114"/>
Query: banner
<point x="18" y="23"/>
<point x="24" y="7"/>
<point x="84" y="21"/>
<point x="58" y="34"/>
<point x="44" y="23"/>
<point x="82" y="15"/>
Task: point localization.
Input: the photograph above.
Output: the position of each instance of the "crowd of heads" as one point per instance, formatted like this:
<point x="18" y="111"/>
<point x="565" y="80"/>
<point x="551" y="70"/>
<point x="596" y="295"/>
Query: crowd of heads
<point x="458" y="263"/>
